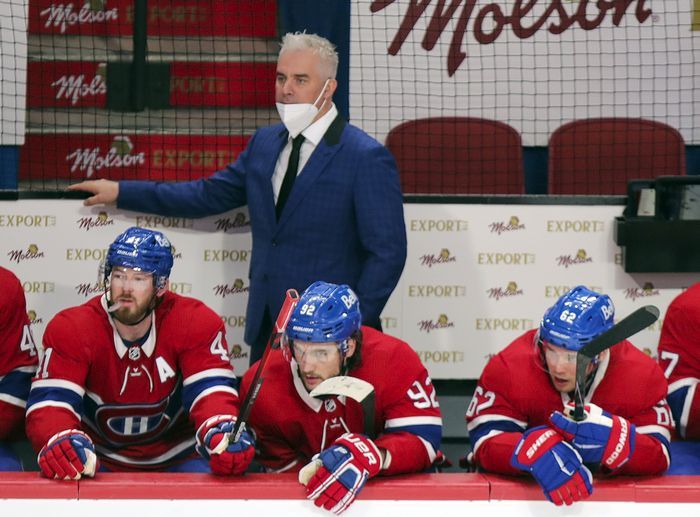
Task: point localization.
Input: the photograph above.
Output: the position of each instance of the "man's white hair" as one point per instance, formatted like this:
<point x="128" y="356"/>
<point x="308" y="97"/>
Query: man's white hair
<point x="316" y="44"/>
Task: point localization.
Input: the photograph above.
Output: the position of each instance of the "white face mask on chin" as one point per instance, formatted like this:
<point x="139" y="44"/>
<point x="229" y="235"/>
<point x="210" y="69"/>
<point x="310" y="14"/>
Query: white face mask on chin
<point x="297" y="117"/>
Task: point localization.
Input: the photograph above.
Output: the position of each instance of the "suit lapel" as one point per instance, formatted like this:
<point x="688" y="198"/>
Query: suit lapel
<point x="279" y="140"/>
<point x="318" y="162"/>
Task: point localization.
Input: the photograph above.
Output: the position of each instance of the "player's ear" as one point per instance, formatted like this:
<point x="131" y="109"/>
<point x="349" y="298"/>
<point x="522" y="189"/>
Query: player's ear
<point x="160" y="292"/>
<point x="352" y="346"/>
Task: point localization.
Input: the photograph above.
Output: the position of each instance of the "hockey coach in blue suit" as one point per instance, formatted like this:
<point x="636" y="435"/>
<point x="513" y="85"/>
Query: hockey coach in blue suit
<point x="323" y="196"/>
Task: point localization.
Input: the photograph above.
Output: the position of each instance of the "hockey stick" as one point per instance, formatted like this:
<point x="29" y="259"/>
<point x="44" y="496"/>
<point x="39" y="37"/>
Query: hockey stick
<point x="285" y="313"/>
<point x="638" y="320"/>
<point x="351" y="387"/>
<point x="354" y="388"/>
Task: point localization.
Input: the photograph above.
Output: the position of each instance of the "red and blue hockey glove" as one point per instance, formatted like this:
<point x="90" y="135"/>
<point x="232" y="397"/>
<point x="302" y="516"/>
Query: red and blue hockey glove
<point x="213" y="443"/>
<point x="601" y="438"/>
<point x="554" y="464"/>
<point x="69" y="454"/>
<point x="335" y="476"/>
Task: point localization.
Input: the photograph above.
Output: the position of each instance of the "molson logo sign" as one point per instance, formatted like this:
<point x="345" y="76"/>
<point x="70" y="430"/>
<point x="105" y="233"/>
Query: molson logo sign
<point x="32" y="252"/>
<point x="176" y="254"/>
<point x="164" y="17"/>
<point x="225" y="290"/>
<point x="237" y="352"/>
<point x="88" y="223"/>
<point x="88" y="161"/>
<point x="60" y="17"/>
<point x="486" y="22"/>
<point x="646" y="291"/>
<point x="431" y="260"/>
<point x="428" y="326"/>
<point x="232" y="223"/>
<point x="84" y="84"/>
<point x="581" y="257"/>
<point x="513" y="224"/>
<point x="511" y="289"/>
<point x="137" y="156"/>
<point x="89" y="290"/>
<point x="33" y="318"/>
<point x="74" y="88"/>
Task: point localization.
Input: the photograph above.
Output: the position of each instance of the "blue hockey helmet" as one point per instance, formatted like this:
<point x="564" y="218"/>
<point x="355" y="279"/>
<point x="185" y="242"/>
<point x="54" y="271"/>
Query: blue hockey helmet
<point x="143" y="250"/>
<point x="325" y="313"/>
<point x="576" y="318"/>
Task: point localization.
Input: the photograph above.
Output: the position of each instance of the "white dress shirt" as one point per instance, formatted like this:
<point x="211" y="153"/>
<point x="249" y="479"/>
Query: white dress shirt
<point x="312" y="136"/>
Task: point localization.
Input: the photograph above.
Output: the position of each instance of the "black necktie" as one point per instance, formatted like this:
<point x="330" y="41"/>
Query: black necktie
<point x="290" y="175"/>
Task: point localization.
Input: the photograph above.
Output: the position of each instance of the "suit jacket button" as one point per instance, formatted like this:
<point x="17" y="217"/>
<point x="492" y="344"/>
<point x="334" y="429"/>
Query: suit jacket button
<point x="274" y="243"/>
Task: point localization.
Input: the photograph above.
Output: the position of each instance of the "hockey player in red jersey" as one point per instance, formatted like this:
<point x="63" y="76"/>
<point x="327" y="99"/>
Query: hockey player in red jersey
<point x="519" y="418"/>
<point x="130" y="375"/>
<point x="679" y="356"/>
<point x="324" y="437"/>
<point x="18" y="359"/>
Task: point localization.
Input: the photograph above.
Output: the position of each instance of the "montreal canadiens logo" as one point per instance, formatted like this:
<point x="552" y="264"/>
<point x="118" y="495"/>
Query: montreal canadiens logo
<point x="128" y="425"/>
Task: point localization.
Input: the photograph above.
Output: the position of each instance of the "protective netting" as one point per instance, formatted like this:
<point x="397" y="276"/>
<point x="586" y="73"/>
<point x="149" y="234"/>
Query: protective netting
<point x="471" y="96"/>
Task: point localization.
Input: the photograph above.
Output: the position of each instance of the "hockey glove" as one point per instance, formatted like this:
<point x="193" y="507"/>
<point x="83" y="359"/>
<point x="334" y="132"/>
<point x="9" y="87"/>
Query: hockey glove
<point x="213" y="443"/>
<point x="601" y="438"/>
<point x="554" y="464"/>
<point x="335" y="476"/>
<point x="69" y="454"/>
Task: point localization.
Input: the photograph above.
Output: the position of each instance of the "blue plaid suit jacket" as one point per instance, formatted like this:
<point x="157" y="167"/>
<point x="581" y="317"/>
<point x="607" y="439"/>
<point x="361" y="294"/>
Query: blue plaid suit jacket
<point x="342" y="223"/>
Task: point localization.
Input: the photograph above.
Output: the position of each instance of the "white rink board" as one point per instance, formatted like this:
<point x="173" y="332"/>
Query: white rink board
<point x="361" y="508"/>
<point x="476" y="276"/>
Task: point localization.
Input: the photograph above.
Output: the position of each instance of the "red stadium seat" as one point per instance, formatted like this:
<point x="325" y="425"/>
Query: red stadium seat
<point x="598" y="156"/>
<point x="457" y="155"/>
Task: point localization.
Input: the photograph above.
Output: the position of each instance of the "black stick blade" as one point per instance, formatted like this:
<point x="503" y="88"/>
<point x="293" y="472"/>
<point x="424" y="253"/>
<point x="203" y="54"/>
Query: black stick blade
<point x="638" y="320"/>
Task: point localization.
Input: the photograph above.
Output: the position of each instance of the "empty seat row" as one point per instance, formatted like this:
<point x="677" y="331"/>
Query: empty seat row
<point x="468" y="155"/>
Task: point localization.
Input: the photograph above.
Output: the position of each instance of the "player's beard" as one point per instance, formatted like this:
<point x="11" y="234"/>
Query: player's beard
<point x="137" y="313"/>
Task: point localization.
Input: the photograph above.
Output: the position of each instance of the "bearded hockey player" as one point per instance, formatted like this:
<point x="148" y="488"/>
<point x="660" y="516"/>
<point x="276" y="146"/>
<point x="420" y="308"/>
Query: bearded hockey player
<point x="324" y="438"/>
<point x="520" y="416"/>
<point x="18" y="359"/>
<point x="129" y="376"/>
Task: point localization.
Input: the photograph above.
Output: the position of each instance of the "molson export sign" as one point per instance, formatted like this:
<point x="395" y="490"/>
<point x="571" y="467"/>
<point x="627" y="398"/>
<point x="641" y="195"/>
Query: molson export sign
<point x="486" y="22"/>
<point x="164" y="157"/>
<point x="78" y="84"/>
<point x="164" y="17"/>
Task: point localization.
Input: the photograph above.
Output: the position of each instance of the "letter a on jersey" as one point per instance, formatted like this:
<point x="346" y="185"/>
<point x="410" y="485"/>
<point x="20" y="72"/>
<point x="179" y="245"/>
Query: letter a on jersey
<point x="165" y="371"/>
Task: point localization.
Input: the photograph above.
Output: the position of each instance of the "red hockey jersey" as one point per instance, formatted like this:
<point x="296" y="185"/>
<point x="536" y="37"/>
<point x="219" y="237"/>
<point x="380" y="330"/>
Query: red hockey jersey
<point x="134" y="402"/>
<point x="18" y="356"/>
<point x="515" y="393"/>
<point x="679" y="356"/>
<point x="292" y="426"/>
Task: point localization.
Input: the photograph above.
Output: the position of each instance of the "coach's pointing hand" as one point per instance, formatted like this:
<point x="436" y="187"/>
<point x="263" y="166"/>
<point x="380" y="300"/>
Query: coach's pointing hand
<point x="104" y="191"/>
